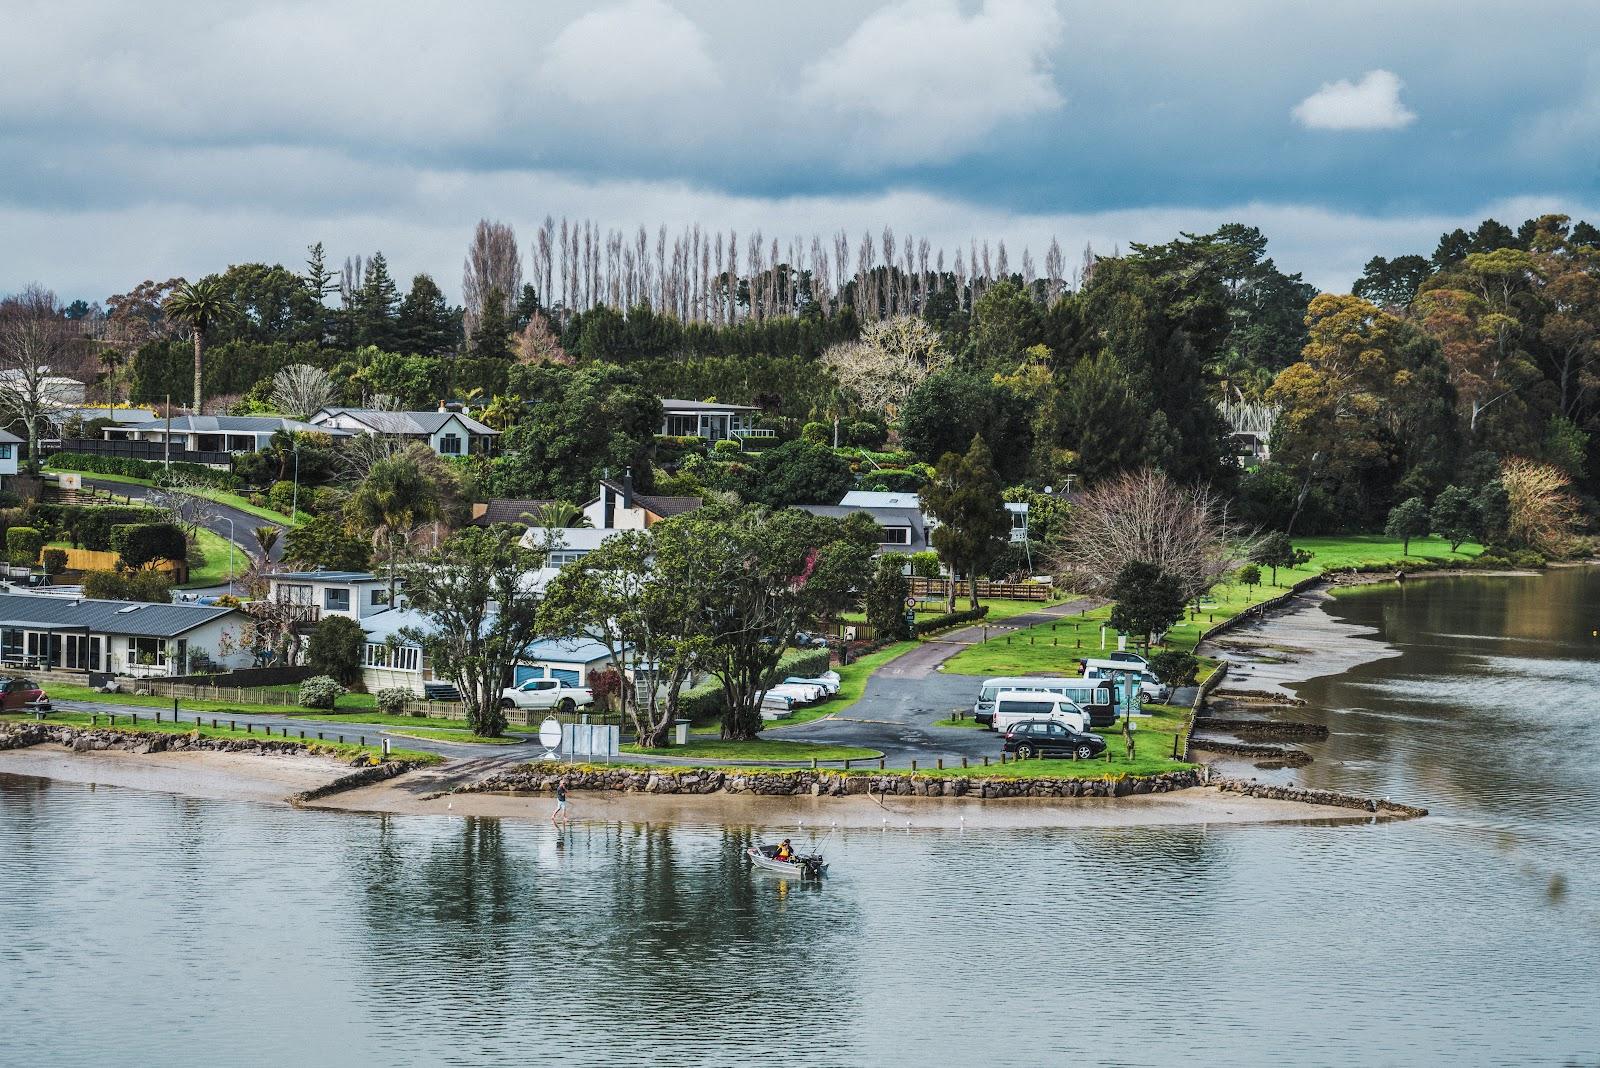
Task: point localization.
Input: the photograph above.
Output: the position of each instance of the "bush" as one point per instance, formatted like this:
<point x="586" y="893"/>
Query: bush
<point x="254" y="468"/>
<point x="726" y="447"/>
<point x="1175" y="668"/>
<point x="88" y="526"/>
<point x="392" y="700"/>
<point x="950" y="619"/>
<point x="325" y="500"/>
<point x="144" y="543"/>
<point x="335" y="649"/>
<point x="23" y="545"/>
<point x="319" y="691"/>
<point x="131" y="468"/>
<point x="281" y="497"/>
<point x="817" y="434"/>
<point x="897" y="480"/>
<point x="55" y="561"/>
<point x="925" y="564"/>
<point x="128" y="586"/>
<point x="867" y="435"/>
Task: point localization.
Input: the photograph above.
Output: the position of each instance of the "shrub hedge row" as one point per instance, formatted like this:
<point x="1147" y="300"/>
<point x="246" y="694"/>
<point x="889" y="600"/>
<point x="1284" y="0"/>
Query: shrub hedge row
<point x="128" y="467"/>
<point x="951" y="619"/>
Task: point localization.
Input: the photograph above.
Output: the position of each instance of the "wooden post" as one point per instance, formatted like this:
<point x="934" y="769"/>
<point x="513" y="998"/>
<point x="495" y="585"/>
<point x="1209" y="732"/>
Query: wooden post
<point x="233" y="724"/>
<point x="813" y="763"/>
<point x="963" y="762"/>
<point x="158" y="717"/>
<point x="941" y="763"/>
<point x="286" y="734"/>
<point x="913" y="765"/>
<point x="361" y="739"/>
<point x="880" y="763"/>
<point x="213" y="723"/>
<point x="986" y="761"/>
<point x="249" y="728"/>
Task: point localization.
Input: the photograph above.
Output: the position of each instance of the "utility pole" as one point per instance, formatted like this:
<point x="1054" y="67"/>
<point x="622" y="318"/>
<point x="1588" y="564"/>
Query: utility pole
<point x="166" y="444"/>
<point x="294" y="501"/>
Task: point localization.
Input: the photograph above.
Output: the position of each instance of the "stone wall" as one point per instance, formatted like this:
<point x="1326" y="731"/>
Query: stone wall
<point x="1262" y="728"/>
<point x="1383" y="807"/>
<point x="542" y="778"/>
<point x="90" y="739"/>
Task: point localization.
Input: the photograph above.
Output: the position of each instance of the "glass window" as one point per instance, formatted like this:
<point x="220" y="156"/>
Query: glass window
<point x="894" y="535"/>
<point x="450" y="445"/>
<point x="336" y="600"/>
<point x="380" y="596"/>
<point x="683" y="426"/>
<point x="5" y="451"/>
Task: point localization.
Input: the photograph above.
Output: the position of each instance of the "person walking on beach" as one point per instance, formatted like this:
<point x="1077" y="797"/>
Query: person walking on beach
<point x="561" y="814"/>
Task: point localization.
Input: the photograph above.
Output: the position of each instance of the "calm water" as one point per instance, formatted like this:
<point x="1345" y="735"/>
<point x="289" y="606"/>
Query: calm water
<point x="146" y="929"/>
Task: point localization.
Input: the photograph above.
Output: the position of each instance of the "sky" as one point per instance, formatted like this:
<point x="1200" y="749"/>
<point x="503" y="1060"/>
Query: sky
<point x="176" y="138"/>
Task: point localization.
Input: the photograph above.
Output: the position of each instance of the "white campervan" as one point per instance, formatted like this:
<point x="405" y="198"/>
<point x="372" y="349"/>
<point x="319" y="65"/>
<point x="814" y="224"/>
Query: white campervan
<point x="1095" y="697"/>
<point x="1114" y="671"/>
<point x="1017" y="706"/>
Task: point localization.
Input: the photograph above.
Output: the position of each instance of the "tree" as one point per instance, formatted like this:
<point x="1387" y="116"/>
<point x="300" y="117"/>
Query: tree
<point x="373" y="306"/>
<point x="1148" y="600"/>
<point x="1005" y="321"/>
<point x="1540" y="512"/>
<point x="203" y="307"/>
<point x="886" y="597"/>
<point x="399" y="496"/>
<point x="493" y="267"/>
<point x="476" y="596"/>
<point x="54" y="561"/>
<point x="1250" y="576"/>
<point x="1275" y="551"/>
<point x="141" y="544"/>
<point x="536" y="343"/>
<point x="301" y="390"/>
<point x="266" y="537"/>
<point x="1105" y="427"/>
<point x="973" y="524"/>
<point x="23" y="545"/>
<point x="1407" y="520"/>
<point x="947" y="409"/>
<point x="155" y="586"/>
<point x="324" y="541"/>
<point x="1455" y="516"/>
<point x="556" y="515"/>
<point x="885" y="365"/>
<point x="759" y="577"/>
<point x="336" y="648"/>
<point x="798" y="472"/>
<point x="35" y="342"/>
<point x="1175" y="668"/>
<point x="426" y="324"/>
<point x="1144" y="515"/>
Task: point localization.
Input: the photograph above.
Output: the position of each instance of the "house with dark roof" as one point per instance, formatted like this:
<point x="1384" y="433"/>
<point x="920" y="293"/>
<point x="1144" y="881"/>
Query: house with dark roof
<point x="900" y="529"/>
<point x="216" y="433"/>
<point x="506" y="510"/>
<point x="139" y="638"/>
<point x="448" y="433"/>
<point x="618" y="507"/>
<point x="711" y="420"/>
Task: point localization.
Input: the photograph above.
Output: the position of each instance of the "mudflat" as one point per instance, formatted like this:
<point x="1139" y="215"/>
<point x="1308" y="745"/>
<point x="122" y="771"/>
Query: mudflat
<point x="221" y="776"/>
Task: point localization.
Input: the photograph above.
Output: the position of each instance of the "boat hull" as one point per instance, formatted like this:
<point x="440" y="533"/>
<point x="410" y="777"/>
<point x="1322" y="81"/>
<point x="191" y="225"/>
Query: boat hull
<point x="779" y="867"/>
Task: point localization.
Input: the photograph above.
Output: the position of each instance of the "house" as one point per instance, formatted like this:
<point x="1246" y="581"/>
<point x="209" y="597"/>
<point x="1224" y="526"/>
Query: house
<point x="356" y="594"/>
<point x="137" y="638"/>
<point x="217" y="433"/>
<point x="563" y="545"/>
<point x="618" y="507"/>
<point x="10" y="450"/>
<point x="60" y="417"/>
<point x="710" y="420"/>
<point x="1017" y="510"/>
<point x="506" y="510"/>
<point x="52" y="390"/>
<point x="568" y="659"/>
<point x="900" y="530"/>
<point x="447" y="433"/>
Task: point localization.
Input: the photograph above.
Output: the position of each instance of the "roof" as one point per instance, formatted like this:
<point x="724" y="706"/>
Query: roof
<point x="145" y="619"/>
<point x="234" y="424"/>
<point x="884" y="517"/>
<point x="565" y="650"/>
<point x="667" y="507"/>
<point x="116" y="415"/>
<point x="320" y="575"/>
<point x="407" y="423"/>
<point x="8" y="437"/>
<point x="704" y="406"/>
<point x="881" y="499"/>
<point x="381" y="626"/>
<point x="509" y="510"/>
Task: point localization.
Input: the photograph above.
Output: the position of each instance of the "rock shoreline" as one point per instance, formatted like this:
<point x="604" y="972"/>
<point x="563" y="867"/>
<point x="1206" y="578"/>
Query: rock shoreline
<point x="1383" y="807"/>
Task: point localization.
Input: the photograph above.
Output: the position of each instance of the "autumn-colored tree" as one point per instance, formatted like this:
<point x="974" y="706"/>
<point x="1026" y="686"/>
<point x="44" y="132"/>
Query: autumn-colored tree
<point x="1540" y="512"/>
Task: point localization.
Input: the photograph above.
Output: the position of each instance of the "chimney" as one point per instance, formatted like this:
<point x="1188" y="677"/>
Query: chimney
<point x="627" y="487"/>
<point x="443" y="407"/>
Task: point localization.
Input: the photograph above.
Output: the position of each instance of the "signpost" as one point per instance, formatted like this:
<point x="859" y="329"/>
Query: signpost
<point x="550" y="736"/>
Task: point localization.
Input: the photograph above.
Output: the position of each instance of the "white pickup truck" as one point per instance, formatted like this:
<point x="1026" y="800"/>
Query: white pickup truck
<point x="546" y="693"/>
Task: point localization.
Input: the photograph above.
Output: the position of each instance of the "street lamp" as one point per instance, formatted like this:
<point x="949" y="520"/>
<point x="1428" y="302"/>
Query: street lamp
<point x="294" y="502"/>
<point x="230" y="552"/>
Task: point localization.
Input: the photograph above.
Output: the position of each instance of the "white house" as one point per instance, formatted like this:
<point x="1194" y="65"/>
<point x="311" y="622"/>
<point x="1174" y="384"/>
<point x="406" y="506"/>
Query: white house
<point x="710" y="420"/>
<point x="447" y="433"/>
<point x="356" y="594"/>
<point x="10" y="449"/>
<point x="880" y="500"/>
<point x="217" y="433"/>
<point x="618" y="507"/>
<point x="53" y="390"/>
<point x="138" y="638"/>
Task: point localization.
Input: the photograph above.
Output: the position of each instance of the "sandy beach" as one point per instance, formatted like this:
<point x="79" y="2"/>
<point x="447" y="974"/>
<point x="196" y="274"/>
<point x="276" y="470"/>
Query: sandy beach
<point x="223" y="776"/>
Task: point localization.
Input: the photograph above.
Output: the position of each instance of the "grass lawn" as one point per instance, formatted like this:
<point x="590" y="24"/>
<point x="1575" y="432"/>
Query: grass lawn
<point x="999" y="609"/>
<point x="68" y="691"/>
<point x="1152" y="736"/>
<point x="213" y="549"/>
<point x="343" y="749"/>
<point x="220" y="496"/>
<point x="968" y="723"/>
<point x="1371" y="550"/>
<point x="447" y="734"/>
<point x="762" y="749"/>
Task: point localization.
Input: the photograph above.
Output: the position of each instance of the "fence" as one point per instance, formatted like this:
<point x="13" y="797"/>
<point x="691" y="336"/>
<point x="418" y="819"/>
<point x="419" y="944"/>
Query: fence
<point x="1009" y="591"/>
<point x="135" y="450"/>
<point x="95" y="560"/>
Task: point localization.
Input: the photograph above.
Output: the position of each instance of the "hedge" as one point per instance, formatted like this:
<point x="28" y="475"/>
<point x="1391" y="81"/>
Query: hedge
<point x="704" y="702"/>
<point x="128" y="467"/>
<point x="88" y="526"/>
<point x="951" y="619"/>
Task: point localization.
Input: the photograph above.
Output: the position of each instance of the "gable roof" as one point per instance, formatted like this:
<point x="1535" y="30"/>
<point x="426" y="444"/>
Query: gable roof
<point x="671" y="405"/>
<point x="236" y="424"/>
<point x="884" y="517"/>
<point x="407" y="423"/>
<point x="508" y="510"/>
<point x="144" y="619"/>
<point x="9" y="438"/>
<point x="667" y="507"/>
<point x="320" y="575"/>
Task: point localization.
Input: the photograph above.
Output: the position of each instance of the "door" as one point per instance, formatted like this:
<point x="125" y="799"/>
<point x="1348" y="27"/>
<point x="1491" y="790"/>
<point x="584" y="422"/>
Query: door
<point x="96" y="645"/>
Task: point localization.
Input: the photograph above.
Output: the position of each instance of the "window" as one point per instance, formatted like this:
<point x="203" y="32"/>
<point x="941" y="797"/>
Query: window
<point x="894" y="535"/>
<point x="450" y="445"/>
<point x="380" y="596"/>
<point x="293" y="594"/>
<point x="336" y="600"/>
<point x="1027" y="708"/>
<point x="5" y="451"/>
<point x="399" y="658"/>
<point x="683" y="426"/>
<point x="147" y="651"/>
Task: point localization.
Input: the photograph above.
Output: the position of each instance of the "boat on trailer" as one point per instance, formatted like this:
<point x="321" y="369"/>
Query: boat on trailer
<point x="801" y="867"/>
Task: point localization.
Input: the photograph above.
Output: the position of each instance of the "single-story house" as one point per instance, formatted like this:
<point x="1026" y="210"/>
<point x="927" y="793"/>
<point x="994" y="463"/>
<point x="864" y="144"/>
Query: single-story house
<point x="60" y="417"/>
<point x="10" y="450"/>
<point x="1018" y="510"/>
<point x="53" y="390"/>
<point x="217" y="433"/>
<point x="139" y="638"/>
<point x="356" y="594"/>
<point x="710" y="420"/>
<point x="901" y="530"/>
<point x="447" y="433"/>
<point x="618" y="507"/>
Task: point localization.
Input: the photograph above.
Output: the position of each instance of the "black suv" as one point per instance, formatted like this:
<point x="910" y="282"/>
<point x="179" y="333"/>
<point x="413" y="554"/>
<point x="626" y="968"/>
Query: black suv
<point x="1046" y="738"/>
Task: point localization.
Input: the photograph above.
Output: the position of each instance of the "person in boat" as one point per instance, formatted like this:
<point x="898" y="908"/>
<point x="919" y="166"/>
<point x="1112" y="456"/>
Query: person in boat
<point x="785" y="852"/>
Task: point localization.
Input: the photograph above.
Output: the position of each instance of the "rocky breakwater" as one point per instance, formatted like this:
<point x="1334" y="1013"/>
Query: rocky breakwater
<point x="1381" y="807"/>
<point x="542" y="778"/>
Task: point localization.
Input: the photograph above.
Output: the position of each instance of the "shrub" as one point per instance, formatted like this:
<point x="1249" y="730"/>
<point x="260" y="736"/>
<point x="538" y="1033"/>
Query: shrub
<point x="88" y="526"/>
<point x="55" y="561"/>
<point x="925" y="564"/>
<point x="392" y="700"/>
<point x="144" y="543"/>
<point x="319" y="691"/>
<point x="867" y="435"/>
<point x="23" y="545"/>
<point x="817" y="434"/>
<point x="1175" y="668"/>
<point x="325" y="500"/>
<point x="131" y="468"/>
<point x="950" y="619"/>
<point x="335" y="649"/>
<point x="281" y="497"/>
<point x="726" y="447"/>
<point x="128" y="586"/>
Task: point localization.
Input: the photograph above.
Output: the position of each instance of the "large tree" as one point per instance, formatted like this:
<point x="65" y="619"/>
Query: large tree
<point x="480" y="610"/>
<point x="973" y="524"/>
<point x="35" y="342"/>
<point x="399" y="496"/>
<point x="888" y="361"/>
<point x="1148" y="600"/>
<point x="203" y="307"/>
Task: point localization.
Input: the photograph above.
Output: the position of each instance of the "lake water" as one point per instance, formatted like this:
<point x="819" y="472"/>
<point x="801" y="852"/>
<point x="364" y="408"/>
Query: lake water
<point x="142" y="928"/>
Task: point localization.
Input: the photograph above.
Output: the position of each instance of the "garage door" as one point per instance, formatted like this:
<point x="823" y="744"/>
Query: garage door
<point x="568" y="678"/>
<point x="522" y="673"/>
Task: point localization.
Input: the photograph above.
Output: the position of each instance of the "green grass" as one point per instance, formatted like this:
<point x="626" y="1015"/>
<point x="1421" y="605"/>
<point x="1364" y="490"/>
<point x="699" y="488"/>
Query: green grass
<point x="335" y="748"/>
<point x="999" y="609"/>
<point x="761" y="749"/>
<point x="964" y="724"/>
<point x="233" y="500"/>
<point x="446" y="734"/>
<point x="70" y="691"/>
<point x="1373" y="550"/>
<point x="213" y="570"/>
<point x="1153" y="743"/>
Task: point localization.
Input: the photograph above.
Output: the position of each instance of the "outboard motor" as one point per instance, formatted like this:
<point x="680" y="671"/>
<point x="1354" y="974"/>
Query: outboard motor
<point x="811" y="867"/>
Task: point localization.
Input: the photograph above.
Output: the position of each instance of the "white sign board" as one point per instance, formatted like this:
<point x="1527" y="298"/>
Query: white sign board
<point x="550" y="735"/>
<point x="594" y="740"/>
<point x="70" y="480"/>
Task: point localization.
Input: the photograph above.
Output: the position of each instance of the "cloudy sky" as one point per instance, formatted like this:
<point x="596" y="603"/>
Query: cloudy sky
<point x="175" y="138"/>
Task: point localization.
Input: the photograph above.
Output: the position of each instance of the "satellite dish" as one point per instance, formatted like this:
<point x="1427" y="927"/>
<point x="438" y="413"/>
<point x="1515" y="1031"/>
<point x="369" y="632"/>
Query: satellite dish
<point x="550" y="735"/>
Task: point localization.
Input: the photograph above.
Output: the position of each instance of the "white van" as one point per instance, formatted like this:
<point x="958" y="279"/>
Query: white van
<point x="1095" y="697"/>
<point x="1114" y="671"/>
<point x="1016" y="706"/>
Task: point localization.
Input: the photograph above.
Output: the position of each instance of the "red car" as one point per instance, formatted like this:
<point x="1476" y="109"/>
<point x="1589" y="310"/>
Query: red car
<point x="22" y="693"/>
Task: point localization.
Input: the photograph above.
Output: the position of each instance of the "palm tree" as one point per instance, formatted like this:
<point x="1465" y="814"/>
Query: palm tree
<point x="266" y="537"/>
<point x="202" y="306"/>
<point x="557" y="515"/>
<point x="393" y="502"/>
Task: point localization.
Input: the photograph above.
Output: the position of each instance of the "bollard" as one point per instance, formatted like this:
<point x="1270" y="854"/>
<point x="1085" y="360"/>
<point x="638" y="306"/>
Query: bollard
<point x="174" y="708"/>
<point x="158" y="717"/>
<point x="302" y="734"/>
<point x="136" y="718"/>
<point x="880" y="763"/>
<point x="963" y="762"/>
<point x="233" y="724"/>
<point x="847" y="765"/>
<point x="361" y="739"/>
<point x="813" y="763"/>
<point x="386" y="749"/>
<point x="941" y="763"/>
<point x="213" y="723"/>
<point x="913" y="765"/>
<point x="985" y="761"/>
<point x="249" y="728"/>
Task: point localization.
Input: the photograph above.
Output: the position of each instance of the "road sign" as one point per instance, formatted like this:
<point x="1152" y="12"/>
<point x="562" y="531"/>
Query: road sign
<point x="911" y="603"/>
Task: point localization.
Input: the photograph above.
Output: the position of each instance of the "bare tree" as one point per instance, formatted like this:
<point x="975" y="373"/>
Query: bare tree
<point x="1145" y="516"/>
<point x="301" y="390"/>
<point x="179" y="496"/>
<point x="536" y="343"/>
<point x="892" y="357"/>
<point x="35" y="338"/>
<point x="493" y="266"/>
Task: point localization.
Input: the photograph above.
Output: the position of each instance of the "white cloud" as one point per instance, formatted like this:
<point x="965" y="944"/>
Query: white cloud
<point x="636" y="51"/>
<point x="1373" y="103"/>
<point x="937" y="80"/>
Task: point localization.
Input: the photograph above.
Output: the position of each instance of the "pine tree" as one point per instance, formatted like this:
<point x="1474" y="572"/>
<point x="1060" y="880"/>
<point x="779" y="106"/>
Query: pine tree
<point x="427" y="325"/>
<point x="374" y="306"/>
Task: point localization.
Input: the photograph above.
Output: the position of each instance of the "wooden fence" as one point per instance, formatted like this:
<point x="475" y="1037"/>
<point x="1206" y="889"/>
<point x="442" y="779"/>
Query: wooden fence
<point x="1009" y="591"/>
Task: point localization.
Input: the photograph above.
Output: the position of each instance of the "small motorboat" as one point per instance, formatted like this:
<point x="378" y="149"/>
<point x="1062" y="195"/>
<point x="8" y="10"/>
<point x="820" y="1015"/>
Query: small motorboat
<point x="801" y="867"/>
